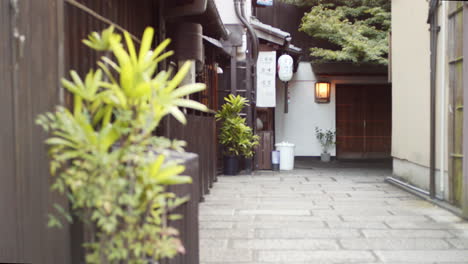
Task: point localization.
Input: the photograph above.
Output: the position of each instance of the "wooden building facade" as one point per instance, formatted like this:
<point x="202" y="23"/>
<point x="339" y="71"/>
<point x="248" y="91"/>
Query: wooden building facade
<point x="364" y="134"/>
<point x="41" y="42"/>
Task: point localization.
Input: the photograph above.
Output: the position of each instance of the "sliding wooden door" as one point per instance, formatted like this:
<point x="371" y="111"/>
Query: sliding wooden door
<point x="363" y="121"/>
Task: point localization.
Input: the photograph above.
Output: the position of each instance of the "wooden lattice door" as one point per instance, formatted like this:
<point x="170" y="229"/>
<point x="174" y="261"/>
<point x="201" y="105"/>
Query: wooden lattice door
<point x="455" y="56"/>
<point x="363" y="121"/>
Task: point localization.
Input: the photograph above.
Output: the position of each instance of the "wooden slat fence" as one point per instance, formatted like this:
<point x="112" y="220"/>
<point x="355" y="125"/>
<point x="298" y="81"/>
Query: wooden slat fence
<point x="30" y="67"/>
<point x="200" y="135"/>
<point x="188" y="225"/>
<point x="134" y="16"/>
<point x="41" y="40"/>
<point x="264" y="149"/>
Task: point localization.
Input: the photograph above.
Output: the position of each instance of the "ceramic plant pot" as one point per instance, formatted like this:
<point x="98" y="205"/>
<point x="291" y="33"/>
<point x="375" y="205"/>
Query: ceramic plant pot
<point x="231" y="165"/>
<point x="325" y="157"/>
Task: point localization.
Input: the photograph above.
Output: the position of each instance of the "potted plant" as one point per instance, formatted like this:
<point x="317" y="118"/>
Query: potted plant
<point x="236" y="137"/>
<point x="105" y="158"/>
<point x="327" y="140"/>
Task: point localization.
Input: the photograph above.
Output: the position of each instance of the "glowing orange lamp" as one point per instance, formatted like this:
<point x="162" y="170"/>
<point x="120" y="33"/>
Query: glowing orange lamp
<point x="322" y="92"/>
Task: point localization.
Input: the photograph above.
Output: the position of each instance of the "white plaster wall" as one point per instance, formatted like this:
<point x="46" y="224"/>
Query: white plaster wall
<point x="411" y="93"/>
<point x="298" y="125"/>
<point x="411" y="81"/>
<point x="227" y="12"/>
<point x="417" y="175"/>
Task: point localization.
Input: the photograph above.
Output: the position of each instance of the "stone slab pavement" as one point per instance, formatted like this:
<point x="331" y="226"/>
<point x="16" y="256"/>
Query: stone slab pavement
<point x="325" y="215"/>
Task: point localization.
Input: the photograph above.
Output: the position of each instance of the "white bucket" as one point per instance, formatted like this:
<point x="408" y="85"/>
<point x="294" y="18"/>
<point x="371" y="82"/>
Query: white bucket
<point x="286" y="155"/>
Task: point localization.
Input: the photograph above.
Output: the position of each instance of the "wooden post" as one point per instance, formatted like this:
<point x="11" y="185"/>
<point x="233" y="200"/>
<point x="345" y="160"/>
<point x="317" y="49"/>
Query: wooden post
<point x="286" y="97"/>
<point x="233" y="70"/>
<point x="464" y="202"/>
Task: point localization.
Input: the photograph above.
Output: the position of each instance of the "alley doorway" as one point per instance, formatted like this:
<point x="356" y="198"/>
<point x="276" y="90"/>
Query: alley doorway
<point x="363" y="121"/>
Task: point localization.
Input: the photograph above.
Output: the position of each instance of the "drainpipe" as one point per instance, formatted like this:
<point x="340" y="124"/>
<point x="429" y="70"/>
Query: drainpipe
<point x="434" y="29"/>
<point x="233" y="70"/>
<point x="251" y="60"/>
<point x="239" y="8"/>
<point x="249" y="64"/>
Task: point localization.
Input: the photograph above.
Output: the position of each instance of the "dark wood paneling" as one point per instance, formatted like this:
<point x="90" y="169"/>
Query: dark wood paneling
<point x="9" y="242"/>
<point x="188" y="225"/>
<point x="349" y="120"/>
<point x="200" y="135"/>
<point x="288" y="17"/>
<point x="264" y="149"/>
<point x="29" y="87"/>
<point x="29" y="77"/>
<point x="465" y="120"/>
<point x="456" y="58"/>
<point x="363" y="121"/>
<point x="133" y="16"/>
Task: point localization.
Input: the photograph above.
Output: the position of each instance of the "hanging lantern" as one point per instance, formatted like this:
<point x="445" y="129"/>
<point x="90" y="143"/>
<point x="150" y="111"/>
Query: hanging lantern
<point x="322" y="92"/>
<point x="285" y="68"/>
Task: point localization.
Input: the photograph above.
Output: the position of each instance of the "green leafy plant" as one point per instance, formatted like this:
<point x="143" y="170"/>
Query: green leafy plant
<point x="106" y="159"/>
<point x="356" y="29"/>
<point x="326" y="138"/>
<point x="235" y="135"/>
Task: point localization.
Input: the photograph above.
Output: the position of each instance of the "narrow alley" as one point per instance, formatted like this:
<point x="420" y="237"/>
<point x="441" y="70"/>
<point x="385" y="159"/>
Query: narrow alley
<point x="325" y="215"/>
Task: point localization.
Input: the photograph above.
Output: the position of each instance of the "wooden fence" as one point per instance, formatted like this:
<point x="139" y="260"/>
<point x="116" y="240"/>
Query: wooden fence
<point x="200" y="135"/>
<point x="263" y="150"/>
<point x="41" y="40"/>
<point x="30" y="68"/>
<point x="78" y="24"/>
<point x="135" y="17"/>
<point x="188" y="225"/>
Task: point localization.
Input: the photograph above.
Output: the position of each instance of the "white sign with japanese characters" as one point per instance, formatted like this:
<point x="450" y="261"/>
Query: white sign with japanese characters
<point x="266" y="77"/>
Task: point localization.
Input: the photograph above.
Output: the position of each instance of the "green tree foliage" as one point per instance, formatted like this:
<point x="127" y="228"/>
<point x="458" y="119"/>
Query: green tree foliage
<point x="358" y="29"/>
<point x="105" y="158"/>
<point x="235" y="135"/>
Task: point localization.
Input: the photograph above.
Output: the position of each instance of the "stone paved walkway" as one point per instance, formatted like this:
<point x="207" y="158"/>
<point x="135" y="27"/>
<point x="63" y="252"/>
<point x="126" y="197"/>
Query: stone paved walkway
<point x="325" y="216"/>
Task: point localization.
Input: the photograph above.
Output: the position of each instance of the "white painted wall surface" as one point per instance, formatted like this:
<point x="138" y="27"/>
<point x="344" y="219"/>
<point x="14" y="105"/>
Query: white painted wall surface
<point x="298" y="125"/>
<point x="227" y="12"/>
<point x="411" y="81"/>
<point x="411" y="92"/>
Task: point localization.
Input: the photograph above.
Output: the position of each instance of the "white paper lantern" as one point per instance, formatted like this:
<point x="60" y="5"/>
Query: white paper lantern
<point x="285" y="67"/>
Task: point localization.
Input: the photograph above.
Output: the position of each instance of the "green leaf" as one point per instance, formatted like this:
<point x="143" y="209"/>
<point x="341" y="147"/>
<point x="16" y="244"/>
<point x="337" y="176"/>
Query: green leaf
<point x="175" y="217"/>
<point x="54" y="222"/>
<point x="162" y="46"/>
<point x="121" y="55"/>
<point x="188" y="89"/>
<point x="107" y="137"/>
<point x="179" y="77"/>
<point x="169" y="172"/>
<point x="191" y="104"/>
<point x="60" y="141"/>
<point x="141" y="90"/>
<point x="146" y="42"/>
<point x="156" y="165"/>
<point x="177" y="114"/>
<point x="130" y="47"/>
<point x="127" y="77"/>
<point x="174" y="180"/>
<point x="110" y="63"/>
